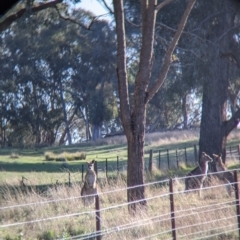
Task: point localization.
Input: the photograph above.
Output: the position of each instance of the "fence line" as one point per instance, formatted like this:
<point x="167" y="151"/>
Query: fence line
<point x="178" y="214"/>
<point x="122" y="189"/>
<point x="170" y="216"/>
<point x="165" y="158"/>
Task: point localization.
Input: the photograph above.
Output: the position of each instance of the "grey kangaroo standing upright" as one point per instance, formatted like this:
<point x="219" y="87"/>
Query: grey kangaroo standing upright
<point x="89" y="189"/>
<point x="196" y="177"/>
<point x="227" y="177"/>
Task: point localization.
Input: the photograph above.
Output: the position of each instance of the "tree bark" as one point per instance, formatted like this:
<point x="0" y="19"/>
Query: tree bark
<point x="134" y="119"/>
<point x="184" y="112"/>
<point x="214" y="127"/>
<point x="69" y="137"/>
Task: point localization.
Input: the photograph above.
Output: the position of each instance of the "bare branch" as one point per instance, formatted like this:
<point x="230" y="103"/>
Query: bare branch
<point x="184" y="32"/>
<point x="122" y="66"/>
<point x="206" y="19"/>
<point x="74" y="21"/>
<point x="15" y="14"/>
<point x="167" y="61"/>
<point x="133" y="24"/>
<point x="192" y="52"/>
<point x="161" y="5"/>
<point x="229" y="30"/>
<point x="109" y="9"/>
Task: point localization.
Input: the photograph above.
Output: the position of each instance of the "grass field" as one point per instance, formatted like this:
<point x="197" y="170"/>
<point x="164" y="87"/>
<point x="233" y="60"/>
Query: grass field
<point x="46" y="180"/>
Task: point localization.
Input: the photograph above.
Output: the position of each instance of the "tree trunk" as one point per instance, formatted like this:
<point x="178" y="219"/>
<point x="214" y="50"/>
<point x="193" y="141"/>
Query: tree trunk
<point x="96" y="132"/>
<point x="61" y="141"/>
<point x="184" y="112"/>
<point x="134" y="118"/>
<point x="69" y="137"/>
<point x="135" y="169"/>
<point x="213" y="134"/>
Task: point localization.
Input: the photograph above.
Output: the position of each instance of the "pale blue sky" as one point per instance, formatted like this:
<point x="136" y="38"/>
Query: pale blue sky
<point x="94" y="6"/>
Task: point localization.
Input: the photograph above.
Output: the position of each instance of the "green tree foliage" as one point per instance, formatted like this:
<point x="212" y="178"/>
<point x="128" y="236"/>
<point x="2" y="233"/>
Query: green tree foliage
<point x="45" y="61"/>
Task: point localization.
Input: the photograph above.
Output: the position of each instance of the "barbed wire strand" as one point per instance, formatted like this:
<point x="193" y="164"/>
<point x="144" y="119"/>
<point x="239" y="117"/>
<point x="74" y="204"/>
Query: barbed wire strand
<point x="89" y="212"/>
<point x="113" y="191"/>
<point x="141" y="223"/>
<point x="212" y="229"/>
<point x="193" y="225"/>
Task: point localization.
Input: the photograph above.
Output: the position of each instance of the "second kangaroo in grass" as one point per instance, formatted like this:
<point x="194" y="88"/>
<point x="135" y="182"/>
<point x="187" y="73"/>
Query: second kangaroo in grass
<point x="227" y="177"/>
<point x="89" y="189"/>
<point x="197" y="176"/>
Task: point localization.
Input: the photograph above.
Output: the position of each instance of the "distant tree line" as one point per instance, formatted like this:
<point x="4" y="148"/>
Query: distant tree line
<point x="59" y="84"/>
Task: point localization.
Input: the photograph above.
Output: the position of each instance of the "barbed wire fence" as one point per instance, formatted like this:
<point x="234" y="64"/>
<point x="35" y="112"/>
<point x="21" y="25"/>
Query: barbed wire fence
<point x="175" y="220"/>
<point x="175" y="217"/>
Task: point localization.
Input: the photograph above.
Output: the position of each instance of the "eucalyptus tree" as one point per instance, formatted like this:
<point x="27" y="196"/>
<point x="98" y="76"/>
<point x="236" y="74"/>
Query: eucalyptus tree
<point x="94" y="78"/>
<point x="30" y="90"/>
<point x="134" y="117"/>
<point x="219" y="29"/>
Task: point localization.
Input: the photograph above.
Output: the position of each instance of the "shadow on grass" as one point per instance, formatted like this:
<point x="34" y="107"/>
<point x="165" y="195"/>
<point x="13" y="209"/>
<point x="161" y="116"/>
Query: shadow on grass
<point x="41" y="189"/>
<point x="45" y="166"/>
<point x="55" y="167"/>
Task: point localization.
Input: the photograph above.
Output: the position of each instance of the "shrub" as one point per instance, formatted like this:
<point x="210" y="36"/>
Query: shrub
<point x="14" y="155"/>
<point x="50" y="156"/>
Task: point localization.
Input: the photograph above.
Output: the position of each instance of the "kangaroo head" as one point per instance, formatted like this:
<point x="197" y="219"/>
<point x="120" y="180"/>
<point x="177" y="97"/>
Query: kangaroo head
<point x="90" y="165"/>
<point x="205" y="158"/>
<point x="218" y="158"/>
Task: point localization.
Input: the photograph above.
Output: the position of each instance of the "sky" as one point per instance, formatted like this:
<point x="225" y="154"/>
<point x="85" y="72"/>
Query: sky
<point x="94" y="6"/>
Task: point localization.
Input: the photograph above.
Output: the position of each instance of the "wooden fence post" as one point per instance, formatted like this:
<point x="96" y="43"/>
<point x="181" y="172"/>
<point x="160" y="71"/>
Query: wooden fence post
<point x="95" y="168"/>
<point x="195" y="153"/>
<point x="172" y="210"/>
<point x="168" y="159"/>
<point x="159" y="159"/>
<point x="177" y="159"/>
<point x="69" y="178"/>
<point x="186" y="160"/>
<point x="82" y="172"/>
<point x="98" y="218"/>
<point x="237" y="200"/>
<point x="106" y="168"/>
<point x="117" y="164"/>
<point x="150" y="161"/>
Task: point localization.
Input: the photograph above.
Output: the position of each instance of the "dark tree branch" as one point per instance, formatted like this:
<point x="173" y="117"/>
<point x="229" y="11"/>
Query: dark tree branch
<point x="108" y="8"/>
<point x="168" y="57"/>
<point x="8" y="19"/>
<point x="72" y="20"/>
<point x="229" y="30"/>
<point x="161" y="5"/>
<point x="76" y="22"/>
<point x="229" y="125"/>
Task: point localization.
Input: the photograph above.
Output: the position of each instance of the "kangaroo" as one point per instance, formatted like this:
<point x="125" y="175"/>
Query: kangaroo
<point x="90" y="185"/>
<point x="227" y="177"/>
<point x="197" y="176"/>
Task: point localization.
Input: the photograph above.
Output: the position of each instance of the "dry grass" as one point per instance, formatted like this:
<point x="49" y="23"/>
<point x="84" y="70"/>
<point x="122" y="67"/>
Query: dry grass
<point x="163" y="138"/>
<point x="195" y="217"/>
<point x="211" y="217"/>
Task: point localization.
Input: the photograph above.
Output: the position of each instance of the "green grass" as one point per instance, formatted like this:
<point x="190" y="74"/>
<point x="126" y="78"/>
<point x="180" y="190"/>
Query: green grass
<point x="32" y="163"/>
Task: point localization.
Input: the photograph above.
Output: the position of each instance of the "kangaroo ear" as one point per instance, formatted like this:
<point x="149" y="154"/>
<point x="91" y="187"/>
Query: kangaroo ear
<point x="93" y="161"/>
<point x="220" y="155"/>
<point x="214" y="155"/>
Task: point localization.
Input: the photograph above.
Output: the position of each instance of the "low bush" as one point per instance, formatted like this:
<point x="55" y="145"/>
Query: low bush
<point x="65" y="156"/>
